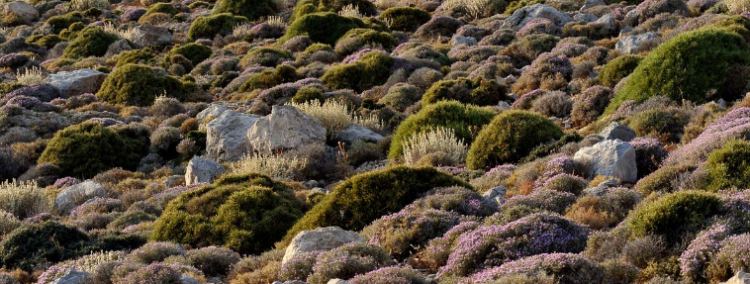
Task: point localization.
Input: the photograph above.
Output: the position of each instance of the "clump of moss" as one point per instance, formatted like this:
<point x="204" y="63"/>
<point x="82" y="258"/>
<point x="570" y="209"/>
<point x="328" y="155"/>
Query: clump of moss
<point x="325" y="27"/>
<point x="91" y="41"/>
<point x="696" y="65"/>
<point x="358" y="38"/>
<point x="192" y="51"/>
<point x="618" y="68"/>
<point x="264" y="56"/>
<point x="406" y="19"/>
<point x="246" y="213"/>
<point x="359" y="200"/>
<point x="673" y="215"/>
<point x="509" y="137"/>
<point x="30" y="246"/>
<point x="370" y="70"/>
<point x="304" y="7"/>
<point x="83" y="150"/>
<point x="478" y="91"/>
<point x="464" y="120"/>
<point x="61" y="22"/>
<point x="250" y="9"/>
<point x="136" y="84"/>
<point x="165" y="8"/>
<point x="269" y="78"/>
<point x="728" y="166"/>
<point x="212" y="25"/>
<point x="137" y="56"/>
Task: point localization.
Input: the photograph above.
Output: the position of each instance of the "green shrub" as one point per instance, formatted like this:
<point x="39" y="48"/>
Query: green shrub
<point x="370" y="70"/>
<point x="44" y="40"/>
<point x="307" y="94"/>
<point x="464" y="120"/>
<point x="696" y="65"/>
<point x="264" y="56"/>
<point x="359" y="200"/>
<point x="618" y="68"/>
<point x="246" y="213"/>
<point x="405" y="19"/>
<point x="210" y="26"/>
<point x="192" y="51"/>
<point x="269" y="78"/>
<point x="139" y="56"/>
<point x="666" y="124"/>
<point x="61" y="22"/>
<point x="355" y="39"/>
<point x="510" y="136"/>
<point x="91" y="41"/>
<point x="303" y="7"/>
<point x="729" y="166"/>
<point x="478" y="91"/>
<point x="165" y="8"/>
<point x="323" y="27"/>
<point x="518" y="4"/>
<point x="662" y="179"/>
<point x="673" y="215"/>
<point x="250" y="9"/>
<point x="84" y="150"/>
<point x="31" y="246"/>
<point x="136" y="84"/>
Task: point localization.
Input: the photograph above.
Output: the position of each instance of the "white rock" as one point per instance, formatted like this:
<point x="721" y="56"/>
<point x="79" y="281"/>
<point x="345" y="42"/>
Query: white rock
<point x="151" y="36"/>
<point x="636" y="43"/>
<point x="358" y="133"/>
<point x="520" y="17"/>
<point x="616" y="130"/>
<point x="73" y="83"/>
<point x="739" y="278"/>
<point x="337" y="281"/>
<point x="18" y="12"/>
<point x="201" y="170"/>
<point x="613" y="158"/>
<point x="495" y="195"/>
<point x="72" y="277"/>
<point x="325" y="238"/>
<point x="284" y="129"/>
<point x="77" y="194"/>
<point x="225" y="136"/>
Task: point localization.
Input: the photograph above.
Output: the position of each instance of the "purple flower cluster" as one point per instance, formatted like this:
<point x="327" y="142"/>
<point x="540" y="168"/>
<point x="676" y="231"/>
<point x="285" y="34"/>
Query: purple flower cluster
<point x="65" y="182"/>
<point x="734" y="124"/>
<point x="97" y="205"/>
<point x="698" y="254"/>
<point x="457" y="199"/>
<point x="564" y="267"/>
<point x="493" y="245"/>
<point x="391" y="275"/>
<point x="545" y="199"/>
<point x="436" y="253"/>
<point x="402" y="232"/>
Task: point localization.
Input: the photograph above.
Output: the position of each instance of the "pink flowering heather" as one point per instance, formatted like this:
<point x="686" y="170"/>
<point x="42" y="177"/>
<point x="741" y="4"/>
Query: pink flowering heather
<point x="65" y="182"/>
<point x="457" y="199"/>
<point x="649" y="153"/>
<point x="550" y="200"/>
<point x="97" y="205"/>
<point x="564" y="267"/>
<point x="436" y="253"/>
<point x="696" y="257"/>
<point x="493" y="245"/>
<point x="734" y="124"/>
<point x="404" y="232"/>
<point x="732" y="257"/>
<point x="391" y="275"/>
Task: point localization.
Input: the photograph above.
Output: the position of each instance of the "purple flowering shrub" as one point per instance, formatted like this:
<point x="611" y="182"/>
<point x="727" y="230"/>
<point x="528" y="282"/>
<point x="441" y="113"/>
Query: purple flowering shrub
<point x="212" y="260"/>
<point x="155" y="252"/>
<point x="404" y="232"/>
<point x="701" y="250"/>
<point x="548" y="72"/>
<point x="544" y="199"/>
<point x="565" y="183"/>
<point x="732" y="257"/>
<point x="605" y="210"/>
<point x="649" y="153"/>
<point x="299" y="267"/>
<point x="435" y="254"/>
<point x="391" y="275"/>
<point x="347" y="261"/>
<point x="734" y="124"/>
<point x="563" y="267"/>
<point x="493" y="245"/>
<point x="455" y="199"/>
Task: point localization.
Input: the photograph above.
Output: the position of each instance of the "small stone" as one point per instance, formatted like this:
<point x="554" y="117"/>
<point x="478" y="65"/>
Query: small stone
<point x="201" y="170"/>
<point x="325" y="238"/>
<point x="614" y="158"/>
<point x="616" y="130"/>
<point x="72" y="83"/>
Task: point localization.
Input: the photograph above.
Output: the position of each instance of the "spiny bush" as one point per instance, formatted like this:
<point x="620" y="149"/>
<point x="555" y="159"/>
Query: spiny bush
<point x="324" y="27"/>
<point x="560" y="267"/>
<point x="478" y="91"/>
<point x="464" y="120"/>
<point x="362" y="198"/>
<point x="246" y="213"/>
<point x="33" y="245"/>
<point x="83" y="150"/>
<point x="666" y="124"/>
<point x="695" y="65"/>
<point x="406" y="19"/>
<point x="136" y="84"/>
<point x="250" y="9"/>
<point x="673" y="215"/>
<point x="92" y="41"/>
<point x="510" y="136"/>
<point x="371" y="69"/>
<point x="729" y="166"/>
<point x="347" y="261"/>
<point x="618" y="68"/>
<point x="212" y="25"/>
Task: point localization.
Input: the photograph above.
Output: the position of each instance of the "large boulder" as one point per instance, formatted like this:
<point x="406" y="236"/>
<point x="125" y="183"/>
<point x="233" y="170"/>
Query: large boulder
<point x="522" y="16"/>
<point x="356" y="132"/>
<point x="284" y="129"/>
<point x="72" y="83"/>
<point x="631" y="44"/>
<point x="151" y="36"/>
<point x="18" y="13"/>
<point x="202" y="170"/>
<point x="77" y="194"/>
<point x="739" y="278"/>
<point x="614" y="158"/>
<point x="320" y="239"/>
<point x="226" y="136"/>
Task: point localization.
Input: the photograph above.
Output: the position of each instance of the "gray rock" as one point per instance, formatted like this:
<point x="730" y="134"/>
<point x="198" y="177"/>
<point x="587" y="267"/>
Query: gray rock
<point x="325" y="238"/>
<point x="613" y="158"/>
<point x="226" y="136"/>
<point x="358" y="133"/>
<point x="495" y="195"/>
<point x="636" y="43"/>
<point x="77" y="194"/>
<point x="740" y="278"/>
<point x="616" y="130"/>
<point x="592" y="3"/>
<point x="201" y="170"/>
<point x="72" y="277"/>
<point x="151" y="36"/>
<point x="463" y="40"/>
<point x="337" y="281"/>
<point x="285" y="128"/>
<point x="520" y="17"/>
<point x="18" y="13"/>
<point x="117" y="47"/>
<point x="72" y="83"/>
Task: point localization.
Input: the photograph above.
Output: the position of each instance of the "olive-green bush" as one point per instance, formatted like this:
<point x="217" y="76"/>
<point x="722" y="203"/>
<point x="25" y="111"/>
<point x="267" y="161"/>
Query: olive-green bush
<point x="304" y="7"/>
<point x="246" y="213"/>
<point x="464" y="120"/>
<point x="358" y="38"/>
<point x="729" y="166"/>
<point x="325" y="27"/>
<point x="673" y="215"/>
<point x="478" y="91"/>
<point x="269" y="78"/>
<point x="140" y="56"/>
<point x="212" y="25"/>
<point x="192" y="51"/>
<point x="61" y="22"/>
<point x="91" y="41"/>
<point x="618" y="68"/>
<point x="359" y="200"/>
<point x="510" y="136"/>
<point x="264" y="56"/>
<point x="84" y="150"/>
<point x="406" y="19"/>
<point x="370" y="70"/>
<point x="136" y="84"/>
<point x="696" y="65"/>
<point x="33" y="245"/>
<point x="250" y="9"/>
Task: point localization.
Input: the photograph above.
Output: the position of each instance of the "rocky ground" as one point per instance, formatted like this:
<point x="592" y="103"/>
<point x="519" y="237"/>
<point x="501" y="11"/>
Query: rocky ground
<point x="349" y="141"/>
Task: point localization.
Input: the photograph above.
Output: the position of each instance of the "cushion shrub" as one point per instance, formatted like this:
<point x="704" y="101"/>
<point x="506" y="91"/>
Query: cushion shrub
<point x="269" y="78"/>
<point x="212" y="25"/>
<point x="370" y="70"/>
<point x="193" y="51"/>
<point x="478" y="91"/>
<point x="264" y="56"/>
<point x="136" y="84"/>
<point x="357" y="38"/>
<point x="250" y="9"/>
<point x="729" y="166"/>
<point x="406" y="19"/>
<point x="618" y="68"/>
<point x="33" y="245"/>
<point x="325" y="27"/>
<point x="91" y="41"/>
<point x="304" y="7"/>
<point x="673" y="215"/>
